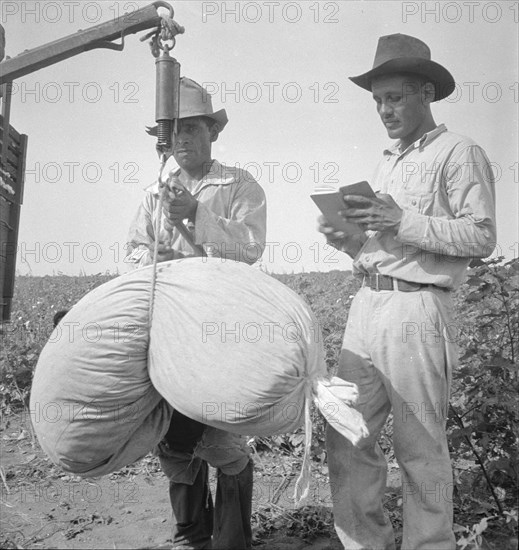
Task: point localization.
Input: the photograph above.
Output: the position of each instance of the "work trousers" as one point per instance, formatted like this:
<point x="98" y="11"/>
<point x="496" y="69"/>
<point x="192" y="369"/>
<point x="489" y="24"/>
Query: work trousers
<point x="400" y="349"/>
<point x="184" y="454"/>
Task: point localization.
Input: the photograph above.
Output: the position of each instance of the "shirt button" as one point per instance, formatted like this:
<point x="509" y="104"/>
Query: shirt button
<point x="413" y="202"/>
<point x="368" y="258"/>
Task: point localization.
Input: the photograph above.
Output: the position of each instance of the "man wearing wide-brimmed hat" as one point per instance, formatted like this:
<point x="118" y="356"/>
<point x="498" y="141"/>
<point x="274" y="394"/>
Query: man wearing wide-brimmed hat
<point x="433" y="213"/>
<point x="224" y="206"/>
<point x="225" y="212"/>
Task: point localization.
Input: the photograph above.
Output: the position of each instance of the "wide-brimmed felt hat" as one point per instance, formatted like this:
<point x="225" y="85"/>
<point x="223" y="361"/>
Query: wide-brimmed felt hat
<point x="196" y="101"/>
<point x="401" y="53"/>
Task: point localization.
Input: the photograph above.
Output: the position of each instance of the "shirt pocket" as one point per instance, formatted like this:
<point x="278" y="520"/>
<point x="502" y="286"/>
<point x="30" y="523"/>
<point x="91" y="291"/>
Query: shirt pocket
<point x="422" y="203"/>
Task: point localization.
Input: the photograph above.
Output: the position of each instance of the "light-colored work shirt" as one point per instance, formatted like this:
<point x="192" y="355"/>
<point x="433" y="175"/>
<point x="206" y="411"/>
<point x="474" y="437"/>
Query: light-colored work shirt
<point x="230" y="219"/>
<point x="445" y="185"/>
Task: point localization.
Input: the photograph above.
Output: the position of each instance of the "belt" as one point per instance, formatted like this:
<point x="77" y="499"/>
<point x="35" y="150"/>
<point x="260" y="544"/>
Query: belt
<point x="377" y="282"/>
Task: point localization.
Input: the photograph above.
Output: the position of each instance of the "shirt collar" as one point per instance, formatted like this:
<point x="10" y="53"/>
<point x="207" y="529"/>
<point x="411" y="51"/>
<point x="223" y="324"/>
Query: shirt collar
<point x="427" y="138"/>
<point x="218" y="175"/>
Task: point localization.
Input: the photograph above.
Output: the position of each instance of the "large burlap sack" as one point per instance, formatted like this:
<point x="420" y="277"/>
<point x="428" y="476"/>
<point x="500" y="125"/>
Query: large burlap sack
<point x="93" y="407"/>
<point x="233" y="347"/>
<point x="227" y="345"/>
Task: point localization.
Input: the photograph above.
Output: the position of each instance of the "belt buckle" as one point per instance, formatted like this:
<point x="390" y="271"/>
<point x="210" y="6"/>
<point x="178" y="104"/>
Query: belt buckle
<point x="377" y="284"/>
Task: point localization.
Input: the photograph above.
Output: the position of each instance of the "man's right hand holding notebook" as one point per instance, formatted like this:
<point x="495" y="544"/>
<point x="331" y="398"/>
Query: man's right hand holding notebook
<point x="380" y="213"/>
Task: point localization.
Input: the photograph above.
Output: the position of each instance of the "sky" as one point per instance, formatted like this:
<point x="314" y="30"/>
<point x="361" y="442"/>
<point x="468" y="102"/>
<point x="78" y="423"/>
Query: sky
<point x="297" y="122"/>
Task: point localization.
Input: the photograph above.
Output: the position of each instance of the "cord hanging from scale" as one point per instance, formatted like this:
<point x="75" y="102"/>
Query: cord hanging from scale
<point x="167" y="102"/>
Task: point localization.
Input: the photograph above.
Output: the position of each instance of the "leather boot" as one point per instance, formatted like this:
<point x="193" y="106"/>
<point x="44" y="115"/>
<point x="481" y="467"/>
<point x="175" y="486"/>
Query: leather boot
<point x="233" y="508"/>
<point x="192" y="512"/>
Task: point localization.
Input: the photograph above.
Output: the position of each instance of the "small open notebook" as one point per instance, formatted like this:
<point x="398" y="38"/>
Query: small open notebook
<point x="330" y="203"/>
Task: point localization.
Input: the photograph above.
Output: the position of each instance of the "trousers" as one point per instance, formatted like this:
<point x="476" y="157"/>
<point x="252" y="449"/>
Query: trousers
<point x="400" y="349"/>
<point x="184" y="454"/>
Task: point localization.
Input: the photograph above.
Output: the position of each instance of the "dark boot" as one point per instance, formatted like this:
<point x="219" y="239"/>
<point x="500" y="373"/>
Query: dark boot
<point x="233" y="508"/>
<point x="192" y="512"/>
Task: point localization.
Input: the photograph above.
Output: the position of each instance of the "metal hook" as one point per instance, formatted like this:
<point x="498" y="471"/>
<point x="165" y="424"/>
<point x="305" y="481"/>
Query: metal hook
<point x="165" y="32"/>
<point x="162" y="4"/>
<point x="110" y="45"/>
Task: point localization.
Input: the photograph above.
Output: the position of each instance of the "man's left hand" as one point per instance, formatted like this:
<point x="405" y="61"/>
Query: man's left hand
<point x="379" y="214"/>
<point x="179" y="205"/>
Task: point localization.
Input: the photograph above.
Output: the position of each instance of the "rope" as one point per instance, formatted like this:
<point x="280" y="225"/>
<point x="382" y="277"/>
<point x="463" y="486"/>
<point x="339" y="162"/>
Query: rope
<point x="163" y="188"/>
<point x="302" y="486"/>
<point x="156" y="231"/>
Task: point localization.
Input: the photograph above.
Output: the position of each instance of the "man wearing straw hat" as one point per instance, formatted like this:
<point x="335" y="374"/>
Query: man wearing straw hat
<point x="433" y="213"/>
<point x="225" y="212"/>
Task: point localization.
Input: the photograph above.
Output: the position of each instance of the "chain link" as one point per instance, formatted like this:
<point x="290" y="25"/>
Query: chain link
<point x="165" y="32"/>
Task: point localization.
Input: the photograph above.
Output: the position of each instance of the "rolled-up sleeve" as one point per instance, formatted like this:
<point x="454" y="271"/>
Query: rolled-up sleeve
<point x="470" y="229"/>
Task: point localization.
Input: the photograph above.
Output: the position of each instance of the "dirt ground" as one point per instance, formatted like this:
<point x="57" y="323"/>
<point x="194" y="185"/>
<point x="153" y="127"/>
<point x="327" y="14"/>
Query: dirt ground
<point x="43" y="507"/>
